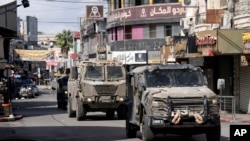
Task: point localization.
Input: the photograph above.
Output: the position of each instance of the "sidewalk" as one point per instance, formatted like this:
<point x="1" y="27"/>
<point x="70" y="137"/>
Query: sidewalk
<point x="239" y="118"/>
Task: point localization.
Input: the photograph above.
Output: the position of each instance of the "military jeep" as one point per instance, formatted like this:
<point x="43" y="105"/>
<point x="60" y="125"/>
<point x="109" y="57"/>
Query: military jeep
<point x="97" y="86"/>
<point x="171" y="99"/>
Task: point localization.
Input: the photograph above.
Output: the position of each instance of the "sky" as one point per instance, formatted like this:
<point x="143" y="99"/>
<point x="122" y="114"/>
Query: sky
<point x="55" y="15"/>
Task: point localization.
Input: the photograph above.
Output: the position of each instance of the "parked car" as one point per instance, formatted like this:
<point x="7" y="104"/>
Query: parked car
<point x="26" y="91"/>
<point x="20" y="85"/>
<point x="35" y="89"/>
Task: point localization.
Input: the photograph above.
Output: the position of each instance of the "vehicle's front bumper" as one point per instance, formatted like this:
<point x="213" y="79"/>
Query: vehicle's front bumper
<point x="187" y="125"/>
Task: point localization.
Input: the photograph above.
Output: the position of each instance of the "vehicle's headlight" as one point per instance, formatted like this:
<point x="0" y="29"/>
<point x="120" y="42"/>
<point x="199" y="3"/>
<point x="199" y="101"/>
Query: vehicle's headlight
<point x="214" y="107"/>
<point x="66" y="92"/>
<point x="29" y="88"/>
<point x="214" y="102"/>
<point x="157" y="112"/>
<point x="159" y="109"/>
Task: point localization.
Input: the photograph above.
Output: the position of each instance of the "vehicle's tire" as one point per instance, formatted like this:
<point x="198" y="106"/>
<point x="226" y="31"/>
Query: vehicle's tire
<point x="147" y="134"/>
<point x="71" y="113"/>
<point x="110" y="114"/>
<point x="121" y="112"/>
<point x="130" y="129"/>
<point x="213" y="133"/>
<point x="80" y="111"/>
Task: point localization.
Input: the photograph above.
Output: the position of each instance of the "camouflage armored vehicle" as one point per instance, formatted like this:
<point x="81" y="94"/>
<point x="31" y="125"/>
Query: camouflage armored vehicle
<point x="97" y="86"/>
<point x="171" y="99"/>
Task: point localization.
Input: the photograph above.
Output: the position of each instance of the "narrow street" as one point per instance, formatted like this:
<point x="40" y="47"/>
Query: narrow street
<point x="42" y="121"/>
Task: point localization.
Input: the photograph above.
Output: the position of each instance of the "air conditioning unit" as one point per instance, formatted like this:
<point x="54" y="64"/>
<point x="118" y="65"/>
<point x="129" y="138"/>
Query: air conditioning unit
<point x="189" y="3"/>
<point x="185" y="23"/>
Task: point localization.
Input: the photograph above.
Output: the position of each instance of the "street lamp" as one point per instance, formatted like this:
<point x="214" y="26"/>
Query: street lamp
<point x="25" y="4"/>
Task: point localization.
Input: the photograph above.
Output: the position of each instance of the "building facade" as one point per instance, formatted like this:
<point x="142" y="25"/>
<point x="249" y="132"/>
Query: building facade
<point x="134" y="26"/>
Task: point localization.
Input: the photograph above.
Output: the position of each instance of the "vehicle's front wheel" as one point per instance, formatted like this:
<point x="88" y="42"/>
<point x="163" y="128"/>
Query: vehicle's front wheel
<point x="71" y="113"/>
<point x="213" y="133"/>
<point x="147" y="134"/>
<point x="80" y="112"/>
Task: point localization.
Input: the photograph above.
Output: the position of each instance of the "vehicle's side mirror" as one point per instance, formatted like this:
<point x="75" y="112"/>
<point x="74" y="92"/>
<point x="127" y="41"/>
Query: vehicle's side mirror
<point x="221" y="84"/>
<point x="205" y="80"/>
<point x="141" y="86"/>
<point x="53" y="88"/>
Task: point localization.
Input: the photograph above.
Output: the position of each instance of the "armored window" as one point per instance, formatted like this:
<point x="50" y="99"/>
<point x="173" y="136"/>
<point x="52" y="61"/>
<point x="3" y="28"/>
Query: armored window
<point x="187" y="78"/>
<point x="94" y="72"/>
<point x="114" y="72"/>
<point x="158" y="78"/>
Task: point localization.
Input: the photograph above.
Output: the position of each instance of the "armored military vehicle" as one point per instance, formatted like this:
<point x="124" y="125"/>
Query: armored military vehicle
<point x="171" y="99"/>
<point x="97" y="86"/>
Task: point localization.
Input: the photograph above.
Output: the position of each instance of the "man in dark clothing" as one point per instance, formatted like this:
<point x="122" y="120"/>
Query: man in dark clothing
<point x="62" y="94"/>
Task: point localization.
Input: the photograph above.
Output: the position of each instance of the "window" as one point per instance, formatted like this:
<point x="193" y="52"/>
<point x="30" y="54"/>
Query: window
<point x="152" y="31"/>
<point x="168" y="30"/>
<point x="114" y="72"/>
<point x="187" y="78"/>
<point x="159" y="1"/>
<point x="128" y="32"/>
<point x="138" y="2"/>
<point x="159" y="78"/>
<point x="94" y="72"/>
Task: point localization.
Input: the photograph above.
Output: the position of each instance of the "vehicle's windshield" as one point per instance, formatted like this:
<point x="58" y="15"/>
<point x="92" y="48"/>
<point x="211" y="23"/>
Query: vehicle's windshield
<point x="158" y="78"/>
<point x="114" y="72"/>
<point x="187" y="78"/>
<point x="179" y="78"/>
<point x="94" y="72"/>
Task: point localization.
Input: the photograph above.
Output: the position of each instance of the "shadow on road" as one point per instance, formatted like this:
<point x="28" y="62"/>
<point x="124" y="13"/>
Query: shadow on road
<point x="81" y="133"/>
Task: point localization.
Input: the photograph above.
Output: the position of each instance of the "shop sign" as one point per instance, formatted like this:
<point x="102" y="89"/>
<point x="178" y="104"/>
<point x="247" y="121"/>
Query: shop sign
<point x="130" y="57"/>
<point x="246" y="42"/>
<point x="51" y="63"/>
<point x="207" y="40"/>
<point x="243" y="60"/>
<point x="206" y="45"/>
<point x="76" y="35"/>
<point x="94" y="12"/>
<point x="172" y="10"/>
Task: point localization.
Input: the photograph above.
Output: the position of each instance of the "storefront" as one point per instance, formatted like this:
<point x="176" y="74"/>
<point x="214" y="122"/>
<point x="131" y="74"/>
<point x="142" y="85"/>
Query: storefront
<point x="244" y="74"/>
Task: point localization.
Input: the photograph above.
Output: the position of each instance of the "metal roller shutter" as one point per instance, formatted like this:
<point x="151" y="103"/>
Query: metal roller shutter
<point x="245" y="89"/>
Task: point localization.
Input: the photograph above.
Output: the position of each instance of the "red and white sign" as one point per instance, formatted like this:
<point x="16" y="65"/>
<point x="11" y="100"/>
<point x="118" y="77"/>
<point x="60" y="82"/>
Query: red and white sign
<point x="51" y="63"/>
<point x="76" y="35"/>
<point x="74" y="56"/>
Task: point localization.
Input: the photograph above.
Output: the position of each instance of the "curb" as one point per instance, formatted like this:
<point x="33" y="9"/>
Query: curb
<point x="225" y="119"/>
<point x="231" y="120"/>
<point x="7" y="119"/>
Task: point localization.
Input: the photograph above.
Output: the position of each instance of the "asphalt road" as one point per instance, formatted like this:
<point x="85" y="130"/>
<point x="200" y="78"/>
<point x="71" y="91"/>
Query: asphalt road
<point x="42" y="121"/>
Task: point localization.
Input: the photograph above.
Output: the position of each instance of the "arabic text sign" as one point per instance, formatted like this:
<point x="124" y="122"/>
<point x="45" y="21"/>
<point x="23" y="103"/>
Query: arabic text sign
<point x="130" y="57"/>
<point x="33" y="55"/>
<point x="150" y="11"/>
<point x="94" y="12"/>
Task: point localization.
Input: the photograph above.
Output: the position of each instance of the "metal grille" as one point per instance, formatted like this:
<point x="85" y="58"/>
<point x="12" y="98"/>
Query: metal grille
<point x="106" y="89"/>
